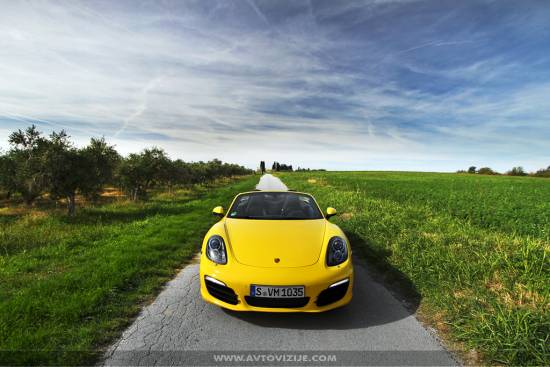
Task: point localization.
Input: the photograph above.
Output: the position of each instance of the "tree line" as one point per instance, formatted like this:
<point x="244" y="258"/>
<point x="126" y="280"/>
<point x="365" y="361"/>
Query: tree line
<point x="277" y="167"/>
<point x="515" y="171"/>
<point x="281" y="167"/>
<point x="36" y="165"/>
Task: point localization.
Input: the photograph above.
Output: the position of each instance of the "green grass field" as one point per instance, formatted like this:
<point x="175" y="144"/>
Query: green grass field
<point x="476" y="249"/>
<point x="68" y="286"/>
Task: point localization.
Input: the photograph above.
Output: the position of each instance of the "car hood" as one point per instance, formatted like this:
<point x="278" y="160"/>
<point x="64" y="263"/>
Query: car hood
<point x="260" y="242"/>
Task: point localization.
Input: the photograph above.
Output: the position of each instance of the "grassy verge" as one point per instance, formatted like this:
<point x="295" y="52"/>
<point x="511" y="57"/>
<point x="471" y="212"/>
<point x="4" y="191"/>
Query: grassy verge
<point x="476" y="248"/>
<point x="68" y="286"/>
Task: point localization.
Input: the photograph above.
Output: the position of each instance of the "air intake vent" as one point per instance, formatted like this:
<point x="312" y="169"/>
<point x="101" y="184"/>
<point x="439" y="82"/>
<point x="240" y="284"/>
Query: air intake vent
<point x="332" y="294"/>
<point x="221" y="292"/>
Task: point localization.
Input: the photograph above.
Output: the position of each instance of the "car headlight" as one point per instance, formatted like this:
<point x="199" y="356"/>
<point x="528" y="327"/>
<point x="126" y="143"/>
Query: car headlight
<point x="337" y="251"/>
<point x="215" y="250"/>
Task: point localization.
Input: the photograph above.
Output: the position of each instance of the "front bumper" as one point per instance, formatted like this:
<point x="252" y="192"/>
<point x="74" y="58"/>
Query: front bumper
<point x="237" y="279"/>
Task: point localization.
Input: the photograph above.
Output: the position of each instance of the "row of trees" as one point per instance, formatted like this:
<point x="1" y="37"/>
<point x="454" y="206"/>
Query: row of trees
<point x="544" y="172"/>
<point x="284" y="167"/>
<point x="36" y="165"/>
<point x="281" y="167"/>
<point x="299" y="169"/>
<point x="515" y="171"/>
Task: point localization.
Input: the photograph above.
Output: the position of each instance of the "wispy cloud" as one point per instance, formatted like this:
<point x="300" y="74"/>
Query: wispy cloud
<point x="258" y="11"/>
<point x="360" y="84"/>
<point x="141" y="105"/>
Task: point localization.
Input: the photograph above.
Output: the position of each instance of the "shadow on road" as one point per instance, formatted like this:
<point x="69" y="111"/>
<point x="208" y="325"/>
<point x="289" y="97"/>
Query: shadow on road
<point x="381" y="295"/>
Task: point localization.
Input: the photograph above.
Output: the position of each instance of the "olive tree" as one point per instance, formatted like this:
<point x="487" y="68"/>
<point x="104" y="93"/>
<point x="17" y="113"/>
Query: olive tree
<point x="27" y="151"/>
<point x="66" y="169"/>
<point x="140" y="172"/>
<point x="101" y="160"/>
<point x="7" y="174"/>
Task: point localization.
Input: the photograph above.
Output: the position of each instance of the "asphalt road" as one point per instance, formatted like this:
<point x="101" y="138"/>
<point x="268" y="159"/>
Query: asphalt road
<point x="270" y="182"/>
<point x="179" y="328"/>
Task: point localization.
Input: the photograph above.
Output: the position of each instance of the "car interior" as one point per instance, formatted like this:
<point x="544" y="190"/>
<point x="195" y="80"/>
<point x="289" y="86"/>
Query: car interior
<point x="274" y="205"/>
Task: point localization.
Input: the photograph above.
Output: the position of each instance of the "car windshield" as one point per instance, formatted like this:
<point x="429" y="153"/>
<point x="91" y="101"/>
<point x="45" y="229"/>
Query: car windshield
<point x="274" y="205"/>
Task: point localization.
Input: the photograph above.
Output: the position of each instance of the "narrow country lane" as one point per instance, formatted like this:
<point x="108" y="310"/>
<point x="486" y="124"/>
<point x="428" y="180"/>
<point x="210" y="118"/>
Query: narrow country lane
<point x="179" y="328"/>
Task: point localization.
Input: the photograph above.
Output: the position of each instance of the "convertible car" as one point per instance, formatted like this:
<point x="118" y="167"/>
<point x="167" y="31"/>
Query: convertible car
<point x="275" y="251"/>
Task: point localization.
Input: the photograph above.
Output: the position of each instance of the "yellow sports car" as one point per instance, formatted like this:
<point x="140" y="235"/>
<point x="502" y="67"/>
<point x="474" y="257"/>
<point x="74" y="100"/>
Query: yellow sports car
<point x="275" y="251"/>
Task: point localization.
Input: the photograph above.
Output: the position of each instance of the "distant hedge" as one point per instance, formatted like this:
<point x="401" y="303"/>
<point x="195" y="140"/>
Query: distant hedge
<point x="515" y="171"/>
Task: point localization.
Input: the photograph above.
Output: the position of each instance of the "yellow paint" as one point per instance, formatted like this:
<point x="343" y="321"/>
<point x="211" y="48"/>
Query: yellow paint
<point x="331" y="212"/>
<point x="218" y="211"/>
<point x="252" y="247"/>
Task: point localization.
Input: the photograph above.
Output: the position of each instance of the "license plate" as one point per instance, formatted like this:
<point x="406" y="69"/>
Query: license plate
<point x="268" y="291"/>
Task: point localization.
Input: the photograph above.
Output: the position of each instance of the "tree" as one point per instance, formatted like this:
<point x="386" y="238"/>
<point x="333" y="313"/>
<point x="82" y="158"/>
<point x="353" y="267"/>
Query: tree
<point x="472" y="169"/>
<point x="101" y="159"/>
<point x="542" y="172"/>
<point x="184" y="173"/>
<point x="281" y="167"/>
<point x="517" y="171"/>
<point x="140" y="172"/>
<point x="214" y="169"/>
<point x="169" y="174"/>
<point x="27" y="150"/>
<point x="67" y="170"/>
<point x="486" y="171"/>
<point x="7" y="174"/>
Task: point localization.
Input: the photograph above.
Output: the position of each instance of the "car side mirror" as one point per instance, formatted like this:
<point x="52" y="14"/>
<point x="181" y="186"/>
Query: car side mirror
<point x="218" y="211"/>
<point x="331" y="212"/>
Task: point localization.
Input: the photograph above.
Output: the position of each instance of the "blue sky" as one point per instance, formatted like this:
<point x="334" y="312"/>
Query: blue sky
<point x="374" y="85"/>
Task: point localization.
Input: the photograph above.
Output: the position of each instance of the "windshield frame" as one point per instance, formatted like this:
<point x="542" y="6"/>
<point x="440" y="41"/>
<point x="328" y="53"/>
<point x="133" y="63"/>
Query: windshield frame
<point x="259" y="192"/>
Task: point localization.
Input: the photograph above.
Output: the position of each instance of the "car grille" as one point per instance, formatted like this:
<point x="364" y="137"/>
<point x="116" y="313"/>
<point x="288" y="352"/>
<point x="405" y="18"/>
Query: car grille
<point x="221" y="292"/>
<point x="332" y="294"/>
<point x="277" y="302"/>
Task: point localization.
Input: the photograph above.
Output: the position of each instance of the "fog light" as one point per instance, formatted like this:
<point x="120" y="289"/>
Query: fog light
<point x="343" y="281"/>
<point x="214" y="280"/>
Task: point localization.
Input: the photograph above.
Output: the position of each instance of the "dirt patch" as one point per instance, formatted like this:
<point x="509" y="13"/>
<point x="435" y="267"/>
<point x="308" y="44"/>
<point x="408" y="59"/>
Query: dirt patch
<point x="346" y="216"/>
<point x="495" y="283"/>
<point x="112" y="192"/>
